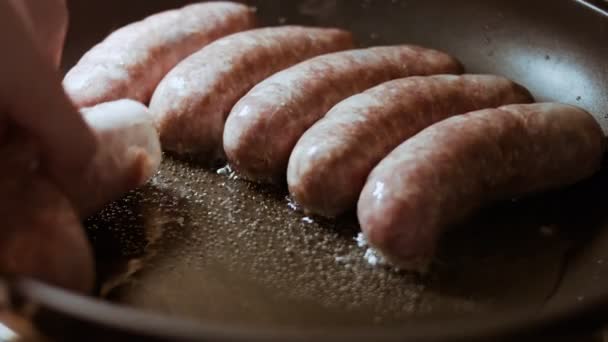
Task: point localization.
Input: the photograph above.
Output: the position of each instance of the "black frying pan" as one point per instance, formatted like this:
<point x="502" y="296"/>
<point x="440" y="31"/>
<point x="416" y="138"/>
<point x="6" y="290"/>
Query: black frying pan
<point x="197" y="255"/>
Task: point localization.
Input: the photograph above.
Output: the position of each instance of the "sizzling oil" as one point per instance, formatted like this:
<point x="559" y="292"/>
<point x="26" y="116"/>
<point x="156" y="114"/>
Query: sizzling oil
<point x="203" y="244"/>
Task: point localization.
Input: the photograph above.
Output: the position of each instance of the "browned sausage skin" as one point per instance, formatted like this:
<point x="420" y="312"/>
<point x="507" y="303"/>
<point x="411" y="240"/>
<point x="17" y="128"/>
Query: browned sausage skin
<point x="265" y="124"/>
<point x="192" y="102"/>
<point x="329" y="165"/>
<point x="131" y="61"/>
<point x="456" y="166"/>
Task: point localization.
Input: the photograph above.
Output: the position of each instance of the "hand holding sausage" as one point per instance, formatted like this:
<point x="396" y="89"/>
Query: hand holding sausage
<point x="45" y="143"/>
<point x="31" y="96"/>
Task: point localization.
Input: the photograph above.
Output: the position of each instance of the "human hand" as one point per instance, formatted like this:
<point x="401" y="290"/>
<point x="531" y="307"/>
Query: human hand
<point x="46" y="146"/>
<point x="47" y="23"/>
<point x="31" y="95"/>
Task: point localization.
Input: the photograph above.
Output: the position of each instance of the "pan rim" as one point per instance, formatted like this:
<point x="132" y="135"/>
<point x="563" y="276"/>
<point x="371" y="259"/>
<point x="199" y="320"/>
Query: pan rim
<point x="522" y="324"/>
<point x="569" y="317"/>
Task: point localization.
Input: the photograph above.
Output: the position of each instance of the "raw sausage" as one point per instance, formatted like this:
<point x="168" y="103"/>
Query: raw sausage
<point x="456" y="166"/>
<point x="129" y="153"/>
<point x="264" y="126"/>
<point x="331" y="161"/>
<point x="191" y="103"/>
<point x="130" y="62"/>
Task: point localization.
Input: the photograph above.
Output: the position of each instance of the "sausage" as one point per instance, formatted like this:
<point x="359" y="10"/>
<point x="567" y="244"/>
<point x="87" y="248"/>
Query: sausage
<point x="264" y="126"/>
<point x="41" y="234"/>
<point x="456" y="166"/>
<point x="131" y="61"/>
<point x="329" y="165"/>
<point x="129" y="153"/>
<point x="191" y="103"/>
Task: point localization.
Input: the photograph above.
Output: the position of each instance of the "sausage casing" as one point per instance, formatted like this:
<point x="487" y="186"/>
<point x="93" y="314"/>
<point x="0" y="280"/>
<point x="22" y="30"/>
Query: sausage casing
<point x="265" y="124"/>
<point x="456" y="166"/>
<point x="329" y="165"/>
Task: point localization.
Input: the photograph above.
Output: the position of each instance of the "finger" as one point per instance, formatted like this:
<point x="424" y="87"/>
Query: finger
<point x="32" y="96"/>
<point x="48" y="22"/>
<point x="41" y="234"/>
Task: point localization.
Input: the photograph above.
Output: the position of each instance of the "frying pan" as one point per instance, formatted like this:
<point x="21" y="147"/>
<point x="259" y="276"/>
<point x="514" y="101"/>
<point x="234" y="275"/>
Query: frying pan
<point x="200" y="255"/>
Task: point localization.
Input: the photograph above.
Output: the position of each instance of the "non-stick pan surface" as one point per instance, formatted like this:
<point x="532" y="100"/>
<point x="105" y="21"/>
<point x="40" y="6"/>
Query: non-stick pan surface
<point x="203" y="254"/>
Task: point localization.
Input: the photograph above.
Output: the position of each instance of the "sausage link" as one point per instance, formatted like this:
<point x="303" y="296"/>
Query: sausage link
<point x="458" y="165"/>
<point x="264" y="126"/>
<point x="129" y="153"/>
<point x="329" y="165"/>
<point x="131" y="61"/>
<point x="192" y="102"/>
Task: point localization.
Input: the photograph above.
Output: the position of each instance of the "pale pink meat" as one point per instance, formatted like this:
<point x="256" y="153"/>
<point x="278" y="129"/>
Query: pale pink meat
<point x="329" y="165"/>
<point x="265" y="124"/>
<point x="455" y="167"/>
<point x="128" y="155"/>
<point x="131" y="61"/>
<point x="192" y="102"/>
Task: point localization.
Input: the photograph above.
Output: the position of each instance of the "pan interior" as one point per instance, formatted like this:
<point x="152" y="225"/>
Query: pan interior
<point x="203" y="245"/>
<point x="206" y="245"/>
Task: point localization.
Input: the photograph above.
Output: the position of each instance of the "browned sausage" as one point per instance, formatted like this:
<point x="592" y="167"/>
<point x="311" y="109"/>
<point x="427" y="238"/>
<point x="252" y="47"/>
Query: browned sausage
<point x="193" y="100"/>
<point x="330" y="163"/>
<point x="130" y="62"/>
<point x="264" y="126"/>
<point x="454" y="167"/>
